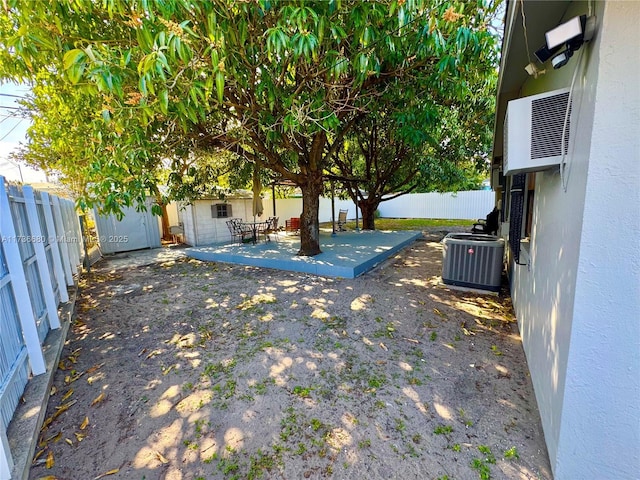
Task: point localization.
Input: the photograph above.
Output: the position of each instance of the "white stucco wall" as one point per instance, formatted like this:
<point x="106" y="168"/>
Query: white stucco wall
<point x="569" y="296"/>
<point x="600" y="429"/>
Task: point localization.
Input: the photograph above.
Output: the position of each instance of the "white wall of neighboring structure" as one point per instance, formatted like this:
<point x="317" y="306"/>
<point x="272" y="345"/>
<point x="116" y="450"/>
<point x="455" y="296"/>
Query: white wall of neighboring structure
<point x="577" y="297"/>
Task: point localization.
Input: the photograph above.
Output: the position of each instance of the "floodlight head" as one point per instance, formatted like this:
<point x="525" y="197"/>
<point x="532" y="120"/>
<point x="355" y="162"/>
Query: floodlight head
<point x="568" y="32"/>
<point x="566" y="39"/>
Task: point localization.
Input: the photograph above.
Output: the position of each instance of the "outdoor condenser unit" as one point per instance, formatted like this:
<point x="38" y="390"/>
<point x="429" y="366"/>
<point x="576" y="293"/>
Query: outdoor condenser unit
<point x="533" y="132"/>
<point x="471" y="260"/>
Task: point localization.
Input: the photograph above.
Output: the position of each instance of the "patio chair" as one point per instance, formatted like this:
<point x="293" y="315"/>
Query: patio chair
<point x="238" y="234"/>
<point x="489" y="225"/>
<point x="271" y="228"/>
<point x="292" y="225"/>
<point x="342" y="220"/>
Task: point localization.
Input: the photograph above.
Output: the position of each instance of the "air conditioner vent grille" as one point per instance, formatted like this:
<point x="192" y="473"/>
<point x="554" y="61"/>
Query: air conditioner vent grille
<point x="547" y="122"/>
<point x="472" y="261"/>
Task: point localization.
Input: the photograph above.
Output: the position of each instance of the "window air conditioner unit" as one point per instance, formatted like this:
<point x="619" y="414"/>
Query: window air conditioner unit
<point x="533" y="132"/>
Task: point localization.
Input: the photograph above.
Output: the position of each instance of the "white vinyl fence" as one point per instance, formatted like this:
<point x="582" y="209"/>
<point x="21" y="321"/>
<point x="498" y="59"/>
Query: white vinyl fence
<point x="40" y="252"/>
<point x="468" y="205"/>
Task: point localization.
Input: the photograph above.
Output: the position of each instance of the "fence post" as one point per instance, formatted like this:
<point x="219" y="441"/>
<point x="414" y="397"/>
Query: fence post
<point x="6" y="462"/>
<point x="41" y="256"/>
<point x="55" y="249"/>
<point x="19" y="284"/>
<point x="62" y="234"/>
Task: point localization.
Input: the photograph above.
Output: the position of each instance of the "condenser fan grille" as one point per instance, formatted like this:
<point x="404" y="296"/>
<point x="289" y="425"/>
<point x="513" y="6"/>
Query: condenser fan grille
<point x="547" y="122"/>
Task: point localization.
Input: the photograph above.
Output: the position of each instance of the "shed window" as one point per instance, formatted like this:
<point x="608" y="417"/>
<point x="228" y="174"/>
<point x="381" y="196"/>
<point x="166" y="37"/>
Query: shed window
<point x="221" y="210"/>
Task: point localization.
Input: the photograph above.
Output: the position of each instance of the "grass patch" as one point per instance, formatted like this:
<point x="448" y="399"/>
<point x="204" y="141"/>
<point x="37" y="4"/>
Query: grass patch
<point x="408" y="223"/>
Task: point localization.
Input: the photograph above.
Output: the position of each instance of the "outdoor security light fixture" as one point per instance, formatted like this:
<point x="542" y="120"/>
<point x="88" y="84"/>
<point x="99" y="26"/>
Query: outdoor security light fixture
<point x="565" y="39"/>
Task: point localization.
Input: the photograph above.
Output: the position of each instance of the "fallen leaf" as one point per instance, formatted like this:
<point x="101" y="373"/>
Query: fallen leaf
<point x="46" y="423"/>
<point x="84" y="423"/>
<point x="63" y="408"/>
<point x="67" y="395"/>
<point x="110" y="472"/>
<point x="411" y="340"/>
<point x="384" y="347"/>
<point x="94" y="368"/>
<point x="70" y="442"/>
<point x="153" y="354"/>
<point x="61" y="365"/>
<point x="37" y="455"/>
<point x="53" y="391"/>
<point x="161" y="457"/>
<point x="168" y="370"/>
<point x="48" y="477"/>
<point x="79" y="436"/>
<point x="143" y="351"/>
<point x="50" y="461"/>
<point x="439" y="313"/>
<point x="98" y="399"/>
<point x="70" y="379"/>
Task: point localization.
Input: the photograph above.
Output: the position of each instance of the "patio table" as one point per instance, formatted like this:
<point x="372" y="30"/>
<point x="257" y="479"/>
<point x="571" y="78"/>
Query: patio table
<point x="255" y="227"/>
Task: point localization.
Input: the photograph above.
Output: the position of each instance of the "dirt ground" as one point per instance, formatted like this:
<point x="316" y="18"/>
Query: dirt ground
<point x="192" y="370"/>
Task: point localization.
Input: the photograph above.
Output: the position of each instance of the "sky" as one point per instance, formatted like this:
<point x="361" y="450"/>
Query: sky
<point x="13" y="129"/>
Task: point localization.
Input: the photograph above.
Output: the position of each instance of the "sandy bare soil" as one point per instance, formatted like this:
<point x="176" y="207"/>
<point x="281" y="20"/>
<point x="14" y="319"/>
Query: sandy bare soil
<point x="193" y="370"/>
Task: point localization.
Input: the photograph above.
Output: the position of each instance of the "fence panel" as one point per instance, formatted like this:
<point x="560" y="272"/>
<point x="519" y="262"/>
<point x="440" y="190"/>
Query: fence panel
<point x="53" y="239"/>
<point x="14" y="369"/>
<point x="63" y="245"/>
<point x="29" y="261"/>
<point x="469" y="205"/>
<point x="41" y="249"/>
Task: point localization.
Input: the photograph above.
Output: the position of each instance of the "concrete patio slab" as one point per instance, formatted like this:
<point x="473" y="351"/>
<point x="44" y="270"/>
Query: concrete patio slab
<point x="345" y="254"/>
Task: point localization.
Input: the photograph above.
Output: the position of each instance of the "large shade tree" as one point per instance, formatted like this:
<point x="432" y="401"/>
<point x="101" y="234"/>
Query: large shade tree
<point x="427" y="144"/>
<point x="278" y="83"/>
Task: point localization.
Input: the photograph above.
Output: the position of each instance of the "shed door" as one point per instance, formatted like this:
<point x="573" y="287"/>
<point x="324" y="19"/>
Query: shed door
<point x="136" y="230"/>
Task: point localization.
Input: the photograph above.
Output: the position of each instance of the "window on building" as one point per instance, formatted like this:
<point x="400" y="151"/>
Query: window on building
<point x="531" y="187"/>
<point x="221" y="210"/>
<point x="521" y="205"/>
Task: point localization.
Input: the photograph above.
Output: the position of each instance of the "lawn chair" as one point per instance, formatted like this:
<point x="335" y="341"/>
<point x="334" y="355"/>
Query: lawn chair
<point x="238" y="234"/>
<point x="490" y="225"/>
<point x="342" y="220"/>
<point x="292" y="225"/>
<point x="272" y="228"/>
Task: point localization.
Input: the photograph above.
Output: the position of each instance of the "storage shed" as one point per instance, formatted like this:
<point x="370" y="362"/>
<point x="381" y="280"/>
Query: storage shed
<point x="136" y="230"/>
<point x="204" y="221"/>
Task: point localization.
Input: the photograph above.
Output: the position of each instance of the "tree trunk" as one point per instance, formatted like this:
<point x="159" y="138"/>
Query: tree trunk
<point x="166" y="235"/>
<point x="368" y="209"/>
<point x="309" y="224"/>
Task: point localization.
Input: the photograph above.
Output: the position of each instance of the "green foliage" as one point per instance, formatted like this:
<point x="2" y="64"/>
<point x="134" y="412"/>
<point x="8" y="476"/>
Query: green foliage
<point x="153" y="91"/>
<point x="443" y="429"/>
<point x="511" y="453"/>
